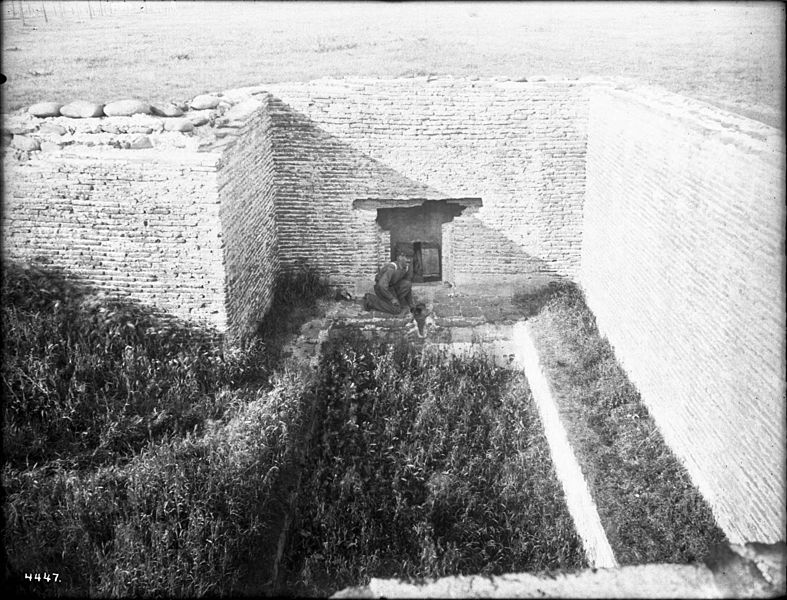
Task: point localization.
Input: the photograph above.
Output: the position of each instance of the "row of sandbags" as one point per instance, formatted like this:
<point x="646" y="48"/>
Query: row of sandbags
<point x="82" y="109"/>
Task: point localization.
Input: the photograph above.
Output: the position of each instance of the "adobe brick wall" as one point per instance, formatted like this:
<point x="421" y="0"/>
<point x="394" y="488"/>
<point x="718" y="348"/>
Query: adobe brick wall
<point x="186" y="226"/>
<point x="683" y="266"/>
<point x="248" y="220"/>
<point x="138" y="224"/>
<point x="519" y="146"/>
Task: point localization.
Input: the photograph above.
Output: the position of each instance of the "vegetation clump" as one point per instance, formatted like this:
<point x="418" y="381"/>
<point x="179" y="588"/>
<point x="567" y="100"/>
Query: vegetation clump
<point x="647" y="503"/>
<point x="90" y="381"/>
<point x="424" y="465"/>
<point x="142" y="455"/>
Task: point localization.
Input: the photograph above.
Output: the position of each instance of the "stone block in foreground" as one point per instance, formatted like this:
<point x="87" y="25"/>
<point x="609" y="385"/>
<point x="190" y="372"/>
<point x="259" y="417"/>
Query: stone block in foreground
<point x="750" y="571"/>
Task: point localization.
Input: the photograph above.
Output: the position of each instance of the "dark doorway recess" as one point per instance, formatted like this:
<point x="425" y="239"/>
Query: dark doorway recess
<point x="418" y="232"/>
<point x="427" y="260"/>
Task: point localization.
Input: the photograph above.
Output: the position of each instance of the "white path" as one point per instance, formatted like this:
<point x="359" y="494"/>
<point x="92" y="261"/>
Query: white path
<point x="580" y="503"/>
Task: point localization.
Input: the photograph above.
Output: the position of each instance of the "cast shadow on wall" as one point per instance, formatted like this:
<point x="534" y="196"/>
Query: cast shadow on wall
<point x="41" y="286"/>
<point x="320" y="175"/>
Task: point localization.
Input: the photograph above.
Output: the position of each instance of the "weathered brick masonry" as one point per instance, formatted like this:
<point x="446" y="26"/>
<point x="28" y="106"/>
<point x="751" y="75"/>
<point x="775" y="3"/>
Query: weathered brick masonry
<point x="248" y="220"/>
<point x="140" y="224"/>
<point x="187" y="227"/>
<point x="518" y="146"/>
<point x="683" y="266"/>
<point x="222" y="221"/>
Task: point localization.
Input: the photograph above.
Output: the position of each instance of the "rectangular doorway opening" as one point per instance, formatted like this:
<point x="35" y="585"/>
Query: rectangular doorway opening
<point x="416" y="230"/>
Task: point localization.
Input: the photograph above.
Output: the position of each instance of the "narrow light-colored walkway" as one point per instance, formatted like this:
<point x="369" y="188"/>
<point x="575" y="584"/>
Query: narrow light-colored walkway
<point x="578" y="498"/>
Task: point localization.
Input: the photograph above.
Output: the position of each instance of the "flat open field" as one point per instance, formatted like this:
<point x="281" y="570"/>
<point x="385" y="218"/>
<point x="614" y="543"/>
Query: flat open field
<point x="729" y="54"/>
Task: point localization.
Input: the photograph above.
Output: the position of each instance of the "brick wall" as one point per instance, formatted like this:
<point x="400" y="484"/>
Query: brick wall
<point x="519" y="146"/>
<point x="246" y="190"/>
<point x="140" y="224"/>
<point x="683" y="266"/>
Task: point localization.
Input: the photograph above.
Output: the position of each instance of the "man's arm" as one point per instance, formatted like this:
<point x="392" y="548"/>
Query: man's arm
<point x="384" y="284"/>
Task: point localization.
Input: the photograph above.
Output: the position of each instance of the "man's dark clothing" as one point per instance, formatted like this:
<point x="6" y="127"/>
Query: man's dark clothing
<point x="391" y="283"/>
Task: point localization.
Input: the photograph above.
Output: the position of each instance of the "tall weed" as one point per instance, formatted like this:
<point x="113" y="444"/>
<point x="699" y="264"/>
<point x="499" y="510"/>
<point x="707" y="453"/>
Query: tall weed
<point x="181" y="518"/>
<point x="141" y="453"/>
<point x="424" y="466"/>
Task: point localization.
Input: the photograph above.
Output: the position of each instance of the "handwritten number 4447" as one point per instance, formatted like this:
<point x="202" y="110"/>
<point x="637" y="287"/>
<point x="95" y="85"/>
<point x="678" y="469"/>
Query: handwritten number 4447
<point x="45" y="577"/>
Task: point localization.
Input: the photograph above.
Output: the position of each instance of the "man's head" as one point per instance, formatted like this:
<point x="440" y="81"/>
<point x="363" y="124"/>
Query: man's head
<point x="402" y="261"/>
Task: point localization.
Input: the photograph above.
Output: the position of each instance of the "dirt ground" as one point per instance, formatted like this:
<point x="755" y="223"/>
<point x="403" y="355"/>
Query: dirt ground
<point x="730" y="54"/>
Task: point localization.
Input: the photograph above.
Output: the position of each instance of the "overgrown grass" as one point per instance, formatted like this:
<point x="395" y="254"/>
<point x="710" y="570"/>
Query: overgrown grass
<point x="648" y="505"/>
<point x="142" y="456"/>
<point x="182" y="518"/>
<point x="91" y="381"/>
<point x="424" y="466"/>
<point x="145" y="457"/>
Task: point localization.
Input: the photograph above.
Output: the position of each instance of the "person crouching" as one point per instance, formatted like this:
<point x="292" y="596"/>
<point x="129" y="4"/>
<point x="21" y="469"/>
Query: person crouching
<point x="393" y="287"/>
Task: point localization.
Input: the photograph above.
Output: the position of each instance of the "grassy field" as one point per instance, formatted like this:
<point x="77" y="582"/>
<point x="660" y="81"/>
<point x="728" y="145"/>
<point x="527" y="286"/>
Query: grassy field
<point x="730" y="54"/>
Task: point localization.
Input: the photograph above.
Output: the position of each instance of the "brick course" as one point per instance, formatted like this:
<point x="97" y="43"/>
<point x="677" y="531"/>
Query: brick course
<point x="682" y="264"/>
